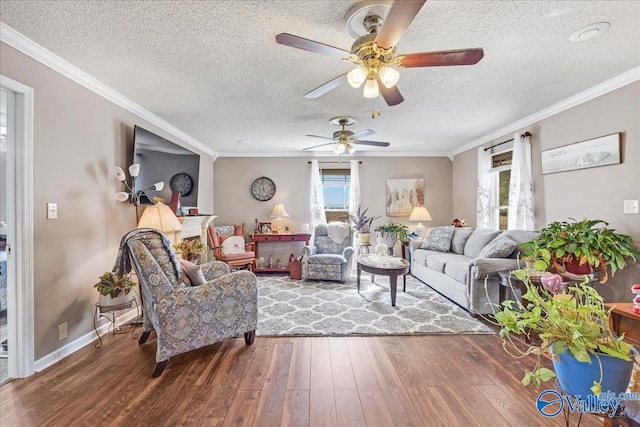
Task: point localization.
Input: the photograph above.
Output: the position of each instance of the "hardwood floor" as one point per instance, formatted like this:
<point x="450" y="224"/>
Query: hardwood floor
<point x="432" y="380"/>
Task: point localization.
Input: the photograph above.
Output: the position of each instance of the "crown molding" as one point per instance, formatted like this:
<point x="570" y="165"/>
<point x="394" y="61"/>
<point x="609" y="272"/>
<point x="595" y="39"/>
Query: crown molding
<point x="330" y="154"/>
<point x="30" y="48"/>
<point x="610" y="85"/>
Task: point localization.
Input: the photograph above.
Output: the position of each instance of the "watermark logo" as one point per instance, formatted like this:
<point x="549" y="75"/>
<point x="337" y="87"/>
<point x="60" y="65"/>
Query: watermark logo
<point x="550" y="403"/>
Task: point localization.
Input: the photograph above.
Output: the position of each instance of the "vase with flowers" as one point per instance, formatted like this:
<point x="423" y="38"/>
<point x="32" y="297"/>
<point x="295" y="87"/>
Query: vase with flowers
<point x="190" y="249"/>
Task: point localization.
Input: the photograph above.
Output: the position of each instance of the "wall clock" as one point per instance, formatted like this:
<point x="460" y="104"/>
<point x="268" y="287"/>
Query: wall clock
<point x="263" y="189"/>
<point x="182" y="183"/>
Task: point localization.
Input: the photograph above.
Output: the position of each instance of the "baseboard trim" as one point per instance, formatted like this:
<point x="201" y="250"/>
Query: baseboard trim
<point x="81" y="342"/>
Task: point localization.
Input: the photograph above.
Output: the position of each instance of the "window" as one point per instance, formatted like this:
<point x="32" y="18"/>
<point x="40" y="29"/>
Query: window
<point x="501" y="166"/>
<point x="335" y="184"/>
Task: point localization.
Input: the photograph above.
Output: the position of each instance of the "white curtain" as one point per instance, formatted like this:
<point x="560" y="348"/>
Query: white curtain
<point x="521" y="215"/>
<point x="483" y="207"/>
<point x="316" y="197"/>
<point x="354" y="189"/>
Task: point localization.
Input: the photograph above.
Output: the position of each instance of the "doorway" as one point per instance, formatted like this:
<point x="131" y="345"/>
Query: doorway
<point x="16" y="230"/>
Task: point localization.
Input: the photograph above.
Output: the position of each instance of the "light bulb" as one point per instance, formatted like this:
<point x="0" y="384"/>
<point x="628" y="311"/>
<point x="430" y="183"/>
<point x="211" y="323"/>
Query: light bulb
<point x="371" y="89"/>
<point x="351" y="149"/>
<point x="356" y="77"/>
<point x="388" y="76"/>
<point x="121" y="196"/>
<point x="340" y="148"/>
<point x="336" y="152"/>
<point x="134" y="170"/>
<point x="120" y="176"/>
<point x="158" y="186"/>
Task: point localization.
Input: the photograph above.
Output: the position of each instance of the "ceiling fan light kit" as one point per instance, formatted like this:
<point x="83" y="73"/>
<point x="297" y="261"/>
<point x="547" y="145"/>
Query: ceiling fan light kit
<point x="346" y="140"/>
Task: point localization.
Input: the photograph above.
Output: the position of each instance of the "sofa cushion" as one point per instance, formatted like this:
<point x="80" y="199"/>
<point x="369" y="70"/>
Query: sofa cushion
<point x="457" y="270"/>
<point x="460" y="237"/>
<point x="478" y="240"/>
<point x="500" y="247"/>
<point x="420" y="256"/>
<point x="438" y="262"/>
<point x="438" y="239"/>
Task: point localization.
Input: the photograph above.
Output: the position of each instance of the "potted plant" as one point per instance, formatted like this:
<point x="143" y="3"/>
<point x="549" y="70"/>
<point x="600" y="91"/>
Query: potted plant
<point x="573" y="327"/>
<point x="361" y="223"/>
<point x="114" y="290"/>
<point x="391" y="232"/>
<point x="536" y="256"/>
<point x="580" y="246"/>
<point x="190" y="249"/>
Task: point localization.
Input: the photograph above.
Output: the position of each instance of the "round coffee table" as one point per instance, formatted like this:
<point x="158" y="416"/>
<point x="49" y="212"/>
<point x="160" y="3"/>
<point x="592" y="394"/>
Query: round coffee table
<point x="384" y="266"/>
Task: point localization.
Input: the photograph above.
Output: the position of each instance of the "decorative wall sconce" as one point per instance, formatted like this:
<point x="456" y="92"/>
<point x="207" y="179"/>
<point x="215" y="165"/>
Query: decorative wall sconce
<point x="134" y="196"/>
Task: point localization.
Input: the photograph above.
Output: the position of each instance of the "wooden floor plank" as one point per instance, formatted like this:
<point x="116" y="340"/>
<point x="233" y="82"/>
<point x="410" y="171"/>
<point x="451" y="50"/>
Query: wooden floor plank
<point x="322" y="404"/>
<point x="341" y="363"/>
<point x="272" y="395"/>
<point x="296" y="408"/>
<point x="300" y="372"/>
<point x="348" y="408"/>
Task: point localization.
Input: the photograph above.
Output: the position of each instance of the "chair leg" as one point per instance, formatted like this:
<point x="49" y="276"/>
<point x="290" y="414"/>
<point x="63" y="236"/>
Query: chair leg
<point x="143" y="337"/>
<point x="249" y="337"/>
<point x="157" y="371"/>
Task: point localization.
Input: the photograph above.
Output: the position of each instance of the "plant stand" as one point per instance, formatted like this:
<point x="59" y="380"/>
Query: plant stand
<point x="109" y="312"/>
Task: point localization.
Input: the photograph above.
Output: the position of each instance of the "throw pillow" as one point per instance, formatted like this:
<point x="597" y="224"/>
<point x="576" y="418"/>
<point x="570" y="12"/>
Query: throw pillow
<point x="233" y="245"/>
<point x="194" y="272"/>
<point x="478" y="240"/>
<point x="438" y="239"/>
<point x="500" y="247"/>
<point x="460" y="237"/>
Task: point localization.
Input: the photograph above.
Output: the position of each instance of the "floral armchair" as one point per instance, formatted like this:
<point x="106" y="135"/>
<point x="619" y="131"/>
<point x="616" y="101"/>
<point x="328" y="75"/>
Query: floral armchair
<point x="329" y="258"/>
<point x="185" y="317"/>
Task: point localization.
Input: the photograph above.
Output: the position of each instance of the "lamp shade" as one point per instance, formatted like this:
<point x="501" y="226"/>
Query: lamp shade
<point x="371" y="89"/>
<point x="119" y="173"/>
<point x="279" y="211"/>
<point x="420" y="213"/>
<point x="159" y="217"/>
<point x="388" y="76"/>
<point x="356" y="77"/>
<point x="134" y="170"/>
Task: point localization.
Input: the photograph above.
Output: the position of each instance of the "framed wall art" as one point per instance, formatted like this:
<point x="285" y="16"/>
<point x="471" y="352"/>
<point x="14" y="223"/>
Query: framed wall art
<point x="601" y="151"/>
<point x="403" y="195"/>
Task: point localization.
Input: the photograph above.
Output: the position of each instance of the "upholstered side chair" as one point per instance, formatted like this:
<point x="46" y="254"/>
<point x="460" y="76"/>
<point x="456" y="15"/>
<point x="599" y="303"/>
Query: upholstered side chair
<point x="228" y="245"/>
<point x="329" y="258"/>
<point x="186" y="317"/>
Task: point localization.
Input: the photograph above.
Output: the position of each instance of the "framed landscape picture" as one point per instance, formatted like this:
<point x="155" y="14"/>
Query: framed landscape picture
<point x="601" y="151"/>
<point x="403" y="195"/>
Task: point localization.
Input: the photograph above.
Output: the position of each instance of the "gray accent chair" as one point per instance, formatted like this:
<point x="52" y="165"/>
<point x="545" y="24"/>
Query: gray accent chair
<point x="185" y="317"/>
<point x="326" y="259"/>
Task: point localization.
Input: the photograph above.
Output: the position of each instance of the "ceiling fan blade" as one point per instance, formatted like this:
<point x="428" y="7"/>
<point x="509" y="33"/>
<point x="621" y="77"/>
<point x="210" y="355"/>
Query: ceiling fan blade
<point x="391" y="95"/>
<point x="397" y="21"/>
<point x="316" y="146"/>
<point x="321" y="137"/>
<point x="374" y="143"/>
<point x="443" y="58"/>
<point x="362" y="134"/>
<point x="330" y="85"/>
<point x="306" y="44"/>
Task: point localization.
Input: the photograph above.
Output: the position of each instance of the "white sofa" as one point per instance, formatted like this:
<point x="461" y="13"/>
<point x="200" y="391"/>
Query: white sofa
<point x="460" y="273"/>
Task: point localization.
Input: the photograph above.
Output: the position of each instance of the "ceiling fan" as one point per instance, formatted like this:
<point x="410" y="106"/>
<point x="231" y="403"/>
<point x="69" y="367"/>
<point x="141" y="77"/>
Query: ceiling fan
<point x="374" y="53"/>
<point x="347" y="140"/>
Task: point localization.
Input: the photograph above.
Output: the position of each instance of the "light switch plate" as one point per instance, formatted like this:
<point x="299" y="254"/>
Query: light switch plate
<point x="52" y="211"/>
<point x="631" y="207"/>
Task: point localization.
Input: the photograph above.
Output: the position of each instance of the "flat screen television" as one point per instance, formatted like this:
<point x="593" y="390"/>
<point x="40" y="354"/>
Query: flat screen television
<point x="162" y="160"/>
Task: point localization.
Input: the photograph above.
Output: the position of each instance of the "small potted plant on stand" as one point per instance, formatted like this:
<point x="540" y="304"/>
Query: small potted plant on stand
<point x="390" y="233"/>
<point x="114" y="290"/>
<point x="573" y="327"/>
<point x="536" y="257"/>
<point x="190" y="249"/>
<point x="361" y="223"/>
<point x="580" y="246"/>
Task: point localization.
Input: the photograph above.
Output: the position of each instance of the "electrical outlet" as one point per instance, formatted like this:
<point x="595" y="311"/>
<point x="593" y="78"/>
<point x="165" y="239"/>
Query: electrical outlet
<point x="52" y="211"/>
<point x="631" y="207"/>
<point x="62" y="331"/>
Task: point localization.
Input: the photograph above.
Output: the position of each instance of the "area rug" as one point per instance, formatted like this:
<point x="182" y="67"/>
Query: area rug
<point x="289" y="307"/>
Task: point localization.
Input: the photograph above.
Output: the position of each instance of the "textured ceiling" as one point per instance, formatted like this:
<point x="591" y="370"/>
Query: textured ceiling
<point x="213" y="69"/>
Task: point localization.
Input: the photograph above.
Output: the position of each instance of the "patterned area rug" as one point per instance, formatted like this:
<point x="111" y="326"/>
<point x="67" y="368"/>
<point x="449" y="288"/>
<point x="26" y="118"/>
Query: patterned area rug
<point x="313" y="308"/>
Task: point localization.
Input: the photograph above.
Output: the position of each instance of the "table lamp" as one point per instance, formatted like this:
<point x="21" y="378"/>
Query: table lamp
<point x="419" y="214"/>
<point x="160" y="217"/>
<point x="278" y="213"/>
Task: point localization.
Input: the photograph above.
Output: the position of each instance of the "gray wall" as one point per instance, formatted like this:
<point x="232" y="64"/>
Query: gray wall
<point x="78" y="138"/>
<point x="234" y="203"/>
<point x="595" y="193"/>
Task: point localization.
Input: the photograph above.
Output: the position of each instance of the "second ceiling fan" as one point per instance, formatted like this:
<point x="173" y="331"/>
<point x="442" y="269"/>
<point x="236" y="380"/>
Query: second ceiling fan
<point x="374" y="53"/>
<point x="347" y="140"/>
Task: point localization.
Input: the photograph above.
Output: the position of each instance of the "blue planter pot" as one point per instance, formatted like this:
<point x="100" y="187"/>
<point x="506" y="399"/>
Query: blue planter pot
<point x="576" y="378"/>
